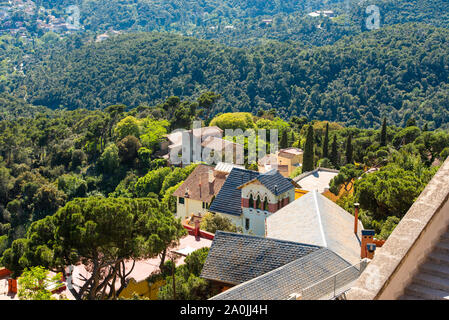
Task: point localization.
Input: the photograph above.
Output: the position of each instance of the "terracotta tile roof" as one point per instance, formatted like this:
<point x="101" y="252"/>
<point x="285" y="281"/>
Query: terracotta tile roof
<point x="290" y="152"/>
<point x="207" y="191"/>
<point x="176" y="137"/>
<point x="215" y="143"/>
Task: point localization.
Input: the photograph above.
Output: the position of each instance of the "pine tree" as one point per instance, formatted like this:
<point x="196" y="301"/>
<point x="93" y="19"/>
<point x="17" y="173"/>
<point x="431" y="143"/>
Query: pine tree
<point x="307" y="164"/>
<point x="334" y="152"/>
<point x="326" y="142"/>
<point x="284" y="140"/>
<point x="411" y="122"/>
<point x="349" y="150"/>
<point x="383" y="134"/>
<point x="426" y="127"/>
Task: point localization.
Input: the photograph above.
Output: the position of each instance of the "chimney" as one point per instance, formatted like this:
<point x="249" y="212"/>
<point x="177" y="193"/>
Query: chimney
<point x="197" y="228"/>
<point x="367" y="241"/>
<point x="370" y="249"/>
<point x="356" y="217"/>
<point x="211" y="181"/>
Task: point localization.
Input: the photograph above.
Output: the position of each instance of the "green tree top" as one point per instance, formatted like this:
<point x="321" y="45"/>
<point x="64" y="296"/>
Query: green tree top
<point x="308" y="156"/>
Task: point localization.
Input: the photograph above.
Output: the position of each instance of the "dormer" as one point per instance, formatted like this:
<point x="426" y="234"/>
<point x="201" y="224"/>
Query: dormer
<point x="267" y="192"/>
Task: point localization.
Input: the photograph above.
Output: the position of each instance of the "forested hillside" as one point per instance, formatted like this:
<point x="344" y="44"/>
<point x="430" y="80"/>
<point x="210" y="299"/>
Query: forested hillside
<point x="399" y="71"/>
<point x="241" y="23"/>
<point x="12" y="108"/>
<point x="57" y="156"/>
<point x="171" y="15"/>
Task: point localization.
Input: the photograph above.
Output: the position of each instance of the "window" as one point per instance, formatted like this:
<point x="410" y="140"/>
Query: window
<point x="247" y="224"/>
<point x="181" y="200"/>
<point x="265" y="204"/>
<point x="251" y="201"/>
<point x="258" y="203"/>
<point x="205" y="206"/>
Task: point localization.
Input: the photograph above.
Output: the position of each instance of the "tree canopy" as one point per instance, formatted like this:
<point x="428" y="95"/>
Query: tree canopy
<point x="100" y="233"/>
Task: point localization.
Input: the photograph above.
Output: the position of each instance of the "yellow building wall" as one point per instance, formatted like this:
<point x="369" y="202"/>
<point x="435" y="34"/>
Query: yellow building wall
<point x="290" y="162"/>
<point x="190" y="206"/>
<point x="142" y="288"/>
<point x="299" y="193"/>
<point x="349" y="190"/>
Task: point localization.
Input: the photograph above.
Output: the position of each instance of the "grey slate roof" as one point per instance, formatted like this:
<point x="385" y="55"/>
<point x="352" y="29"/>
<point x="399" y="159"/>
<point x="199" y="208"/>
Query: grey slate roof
<point x="275" y="182"/>
<point x="314" y="219"/>
<point x="235" y="258"/>
<point x="228" y="200"/>
<point x="291" y="278"/>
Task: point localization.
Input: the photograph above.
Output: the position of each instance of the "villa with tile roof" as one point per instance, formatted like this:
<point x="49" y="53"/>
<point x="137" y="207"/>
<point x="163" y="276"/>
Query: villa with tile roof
<point x="248" y="198"/>
<point x="285" y="161"/>
<point x="195" y="195"/>
<point x="314" y="219"/>
<point x="201" y="143"/>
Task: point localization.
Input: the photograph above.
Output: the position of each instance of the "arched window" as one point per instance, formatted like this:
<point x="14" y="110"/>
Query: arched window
<point x="251" y="201"/>
<point x="258" y="203"/>
<point x="265" y="204"/>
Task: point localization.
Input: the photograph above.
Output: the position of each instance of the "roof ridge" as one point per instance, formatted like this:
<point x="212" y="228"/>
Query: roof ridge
<point x="312" y="254"/>
<point x="266" y="238"/>
<point x="318" y="212"/>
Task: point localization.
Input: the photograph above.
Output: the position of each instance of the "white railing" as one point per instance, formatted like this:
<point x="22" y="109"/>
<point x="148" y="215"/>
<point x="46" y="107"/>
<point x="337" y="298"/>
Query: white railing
<point x="332" y="287"/>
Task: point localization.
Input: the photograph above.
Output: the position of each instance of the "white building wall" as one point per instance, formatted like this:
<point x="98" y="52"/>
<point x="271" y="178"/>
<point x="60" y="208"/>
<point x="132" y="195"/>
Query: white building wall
<point x="258" y="190"/>
<point x="256" y="216"/>
<point x="256" y="221"/>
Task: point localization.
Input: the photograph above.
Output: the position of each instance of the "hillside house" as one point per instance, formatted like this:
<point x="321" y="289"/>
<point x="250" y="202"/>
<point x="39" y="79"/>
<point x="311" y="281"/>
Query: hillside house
<point x="285" y="161"/>
<point x="316" y="180"/>
<point x="193" y="144"/>
<point x="248" y="198"/>
<point x="195" y="195"/>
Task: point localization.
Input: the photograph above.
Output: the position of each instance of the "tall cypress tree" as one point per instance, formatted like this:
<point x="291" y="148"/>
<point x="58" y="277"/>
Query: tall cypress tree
<point x="326" y="142"/>
<point x="307" y="163"/>
<point x="284" y="140"/>
<point x="349" y="149"/>
<point x="383" y="134"/>
<point x="334" y="153"/>
<point x="292" y="139"/>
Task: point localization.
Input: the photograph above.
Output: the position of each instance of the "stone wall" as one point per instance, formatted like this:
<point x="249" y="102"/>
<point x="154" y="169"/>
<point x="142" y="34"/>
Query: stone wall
<point x="395" y="264"/>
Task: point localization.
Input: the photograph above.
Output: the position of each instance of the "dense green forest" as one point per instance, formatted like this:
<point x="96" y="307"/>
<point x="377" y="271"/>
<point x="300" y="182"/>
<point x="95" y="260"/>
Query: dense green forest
<point x="399" y="71"/>
<point x="210" y="19"/>
<point x="81" y="120"/>
<point x="57" y="156"/>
